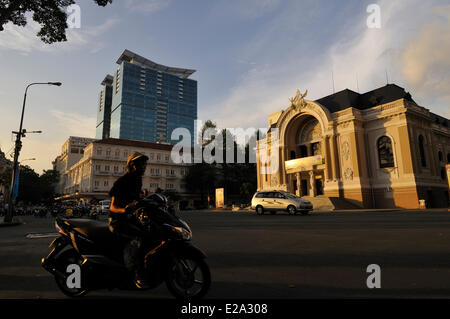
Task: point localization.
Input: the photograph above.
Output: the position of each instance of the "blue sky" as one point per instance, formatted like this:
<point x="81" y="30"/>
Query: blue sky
<point x="250" y="57"/>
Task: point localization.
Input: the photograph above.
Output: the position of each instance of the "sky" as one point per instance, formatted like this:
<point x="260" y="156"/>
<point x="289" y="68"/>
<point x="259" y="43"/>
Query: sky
<point x="250" y="55"/>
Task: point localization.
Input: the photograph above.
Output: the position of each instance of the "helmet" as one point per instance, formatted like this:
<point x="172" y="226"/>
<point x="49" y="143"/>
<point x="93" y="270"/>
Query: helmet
<point x="135" y="157"/>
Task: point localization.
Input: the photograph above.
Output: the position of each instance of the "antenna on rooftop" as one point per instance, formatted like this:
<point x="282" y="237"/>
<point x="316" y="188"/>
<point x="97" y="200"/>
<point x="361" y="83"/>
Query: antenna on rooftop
<point x="387" y="78"/>
<point x="332" y="79"/>
<point x="357" y="84"/>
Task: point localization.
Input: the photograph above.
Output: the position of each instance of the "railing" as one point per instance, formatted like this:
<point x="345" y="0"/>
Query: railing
<point x="303" y="164"/>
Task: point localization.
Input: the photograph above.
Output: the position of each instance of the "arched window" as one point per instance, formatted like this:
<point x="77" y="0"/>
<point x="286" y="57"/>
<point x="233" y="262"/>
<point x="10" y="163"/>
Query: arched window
<point x="423" y="160"/>
<point x="385" y="153"/>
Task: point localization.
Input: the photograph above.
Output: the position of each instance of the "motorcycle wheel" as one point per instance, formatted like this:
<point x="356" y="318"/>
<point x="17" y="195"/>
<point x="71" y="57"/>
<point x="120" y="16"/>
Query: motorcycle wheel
<point x="188" y="278"/>
<point x="62" y="261"/>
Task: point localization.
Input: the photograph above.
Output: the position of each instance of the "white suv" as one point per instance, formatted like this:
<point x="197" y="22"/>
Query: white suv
<point x="274" y="201"/>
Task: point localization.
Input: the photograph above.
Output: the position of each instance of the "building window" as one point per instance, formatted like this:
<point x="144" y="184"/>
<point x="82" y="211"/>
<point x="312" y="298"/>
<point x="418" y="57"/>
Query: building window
<point x="448" y="157"/>
<point x="97" y="167"/>
<point x="423" y="160"/>
<point x="303" y="151"/>
<point x="105" y="183"/>
<point x="440" y="156"/>
<point x="99" y="151"/>
<point x="107" y="168"/>
<point x="74" y="150"/>
<point x="385" y="153"/>
<point x="108" y="152"/>
<point x="443" y="173"/>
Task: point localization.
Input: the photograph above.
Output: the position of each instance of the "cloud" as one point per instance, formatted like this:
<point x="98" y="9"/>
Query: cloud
<point x="357" y="55"/>
<point x="25" y="40"/>
<point x="146" y="6"/>
<point x="425" y="62"/>
<point x="75" y="124"/>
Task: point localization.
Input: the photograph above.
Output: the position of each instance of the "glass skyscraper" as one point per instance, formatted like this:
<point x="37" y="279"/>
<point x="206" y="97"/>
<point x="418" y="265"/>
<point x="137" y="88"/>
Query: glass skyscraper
<point x="149" y="101"/>
<point x="104" y="108"/>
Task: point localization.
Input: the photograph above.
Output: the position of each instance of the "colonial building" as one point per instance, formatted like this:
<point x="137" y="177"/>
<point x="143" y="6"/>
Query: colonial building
<point x="104" y="161"/>
<point x="71" y="152"/>
<point x="378" y="149"/>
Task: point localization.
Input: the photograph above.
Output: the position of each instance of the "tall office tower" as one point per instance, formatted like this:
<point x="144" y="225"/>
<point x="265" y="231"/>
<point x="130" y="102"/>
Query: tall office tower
<point x="150" y="100"/>
<point x="104" y="108"/>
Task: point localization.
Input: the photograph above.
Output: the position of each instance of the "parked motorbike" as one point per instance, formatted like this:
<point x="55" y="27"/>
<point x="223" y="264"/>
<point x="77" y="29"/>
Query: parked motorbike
<point x="168" y="254"/>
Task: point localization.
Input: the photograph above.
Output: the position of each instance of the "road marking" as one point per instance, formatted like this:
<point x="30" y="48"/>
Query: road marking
<point x="41" y="235"/>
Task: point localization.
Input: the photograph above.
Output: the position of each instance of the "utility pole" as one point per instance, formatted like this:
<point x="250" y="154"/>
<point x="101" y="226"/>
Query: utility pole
<point x="18" y="146"/>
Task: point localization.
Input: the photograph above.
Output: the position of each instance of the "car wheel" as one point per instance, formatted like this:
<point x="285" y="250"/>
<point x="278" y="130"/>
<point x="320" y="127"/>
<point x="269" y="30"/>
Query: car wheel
<point x="291" y="210"/>
<point x="259" y="210"/>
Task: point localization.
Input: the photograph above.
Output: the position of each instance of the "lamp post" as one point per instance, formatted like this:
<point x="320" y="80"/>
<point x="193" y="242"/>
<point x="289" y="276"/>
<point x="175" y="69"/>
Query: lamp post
<point x="18" y="147"/>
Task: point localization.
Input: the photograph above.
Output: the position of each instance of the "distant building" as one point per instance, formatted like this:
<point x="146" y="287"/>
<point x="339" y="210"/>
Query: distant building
<point x="71" y="152"/>
<point x="104" y="161"/>
<point x="104" y="108"/>
<point x="149" y="101"/>
<point x="378" y="149"/>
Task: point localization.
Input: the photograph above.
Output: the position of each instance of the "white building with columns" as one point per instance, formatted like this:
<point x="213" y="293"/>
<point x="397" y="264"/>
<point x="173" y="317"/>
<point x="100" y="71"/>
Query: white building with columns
<point x="104" y="161"/>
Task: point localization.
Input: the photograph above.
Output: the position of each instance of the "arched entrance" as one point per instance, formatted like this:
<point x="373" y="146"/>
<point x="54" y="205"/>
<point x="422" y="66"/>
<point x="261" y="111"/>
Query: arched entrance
<point x="304" y="163"/>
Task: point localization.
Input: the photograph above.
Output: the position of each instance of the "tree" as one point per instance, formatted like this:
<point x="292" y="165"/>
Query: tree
<point x="29" y="185"/>
<point x="48" y="181"/>
<point x="238" y="179"/>
<point x="50" y="14"/>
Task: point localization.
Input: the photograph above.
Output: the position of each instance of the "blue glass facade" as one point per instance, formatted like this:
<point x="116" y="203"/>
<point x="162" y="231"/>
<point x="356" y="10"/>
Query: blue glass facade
<point x="148" y="104"/>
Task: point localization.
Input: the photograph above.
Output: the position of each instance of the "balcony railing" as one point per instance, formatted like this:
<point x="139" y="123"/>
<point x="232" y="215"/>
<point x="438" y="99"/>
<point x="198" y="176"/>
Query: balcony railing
<point x="303" y="164"/>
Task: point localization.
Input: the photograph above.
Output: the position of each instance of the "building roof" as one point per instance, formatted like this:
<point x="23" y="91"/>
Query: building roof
<point x="347" y="98"/>
<point x="440" y="120"/>
<point x="109" y="79"/>
<point x="122" y="142"/>
<point x="133" y="57"/>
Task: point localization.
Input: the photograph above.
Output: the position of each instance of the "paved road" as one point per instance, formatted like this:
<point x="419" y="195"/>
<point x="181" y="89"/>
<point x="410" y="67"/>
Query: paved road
<point x="323" y="255"/>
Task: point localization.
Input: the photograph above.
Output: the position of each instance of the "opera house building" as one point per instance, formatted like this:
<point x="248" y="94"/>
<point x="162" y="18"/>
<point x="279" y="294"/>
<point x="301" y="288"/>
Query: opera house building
<point x="379" y="149"/>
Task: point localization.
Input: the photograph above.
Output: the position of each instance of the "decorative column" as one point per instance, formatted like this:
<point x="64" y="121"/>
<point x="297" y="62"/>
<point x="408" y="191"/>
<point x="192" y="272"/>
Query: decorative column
<point x="326" y="150"/>
<point x="298" y="193"/>
<point x="312" y="184"/>
<point x="334" y="158"/>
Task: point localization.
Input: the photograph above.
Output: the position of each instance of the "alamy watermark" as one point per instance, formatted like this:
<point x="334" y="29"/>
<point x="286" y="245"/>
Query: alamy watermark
<point x="73" y="16"/>
<point x="74" y="279"/>
<point x="374" y="19"/>
<point x="210" y="146"/>
<point x="374" y="279"/>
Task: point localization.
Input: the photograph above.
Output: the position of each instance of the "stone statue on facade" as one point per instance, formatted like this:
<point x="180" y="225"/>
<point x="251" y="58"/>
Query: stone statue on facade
<point x="299" y="100"/>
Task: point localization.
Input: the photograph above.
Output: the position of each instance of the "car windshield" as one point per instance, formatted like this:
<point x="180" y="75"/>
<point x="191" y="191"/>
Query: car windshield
<point x="289" y="195"/>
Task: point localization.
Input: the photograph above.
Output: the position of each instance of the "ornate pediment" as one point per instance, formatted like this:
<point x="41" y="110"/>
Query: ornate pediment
<point x="298" y="101"/>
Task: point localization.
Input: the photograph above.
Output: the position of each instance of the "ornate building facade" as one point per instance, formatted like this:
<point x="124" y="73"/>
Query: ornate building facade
<point x="378" y="149"/>
<point x="104" y="161"/>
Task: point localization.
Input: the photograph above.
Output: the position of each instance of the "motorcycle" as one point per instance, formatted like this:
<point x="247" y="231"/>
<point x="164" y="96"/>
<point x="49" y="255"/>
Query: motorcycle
<point x="168" y="255"/>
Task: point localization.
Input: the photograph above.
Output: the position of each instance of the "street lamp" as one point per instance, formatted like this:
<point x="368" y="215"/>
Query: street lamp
<point x="18" y="147"/>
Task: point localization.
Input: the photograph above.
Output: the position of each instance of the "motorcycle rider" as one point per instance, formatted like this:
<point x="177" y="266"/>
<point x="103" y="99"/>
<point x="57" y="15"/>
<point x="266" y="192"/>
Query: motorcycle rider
<point x="124" y="196"/>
